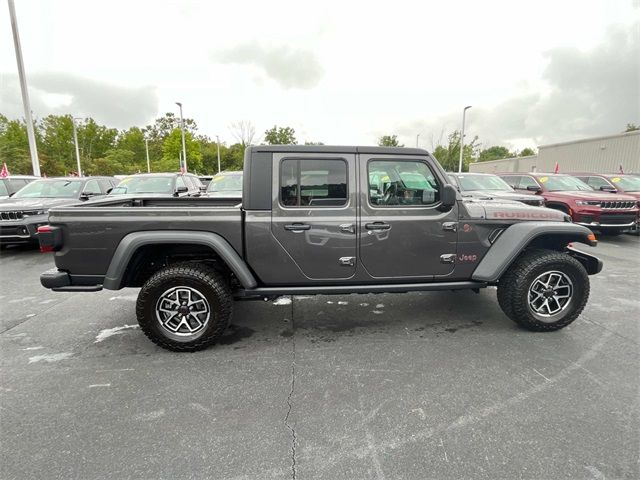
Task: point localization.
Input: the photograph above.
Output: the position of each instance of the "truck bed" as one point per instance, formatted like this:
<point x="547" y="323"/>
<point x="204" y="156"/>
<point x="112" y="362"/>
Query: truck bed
<point x="92" y="230"/>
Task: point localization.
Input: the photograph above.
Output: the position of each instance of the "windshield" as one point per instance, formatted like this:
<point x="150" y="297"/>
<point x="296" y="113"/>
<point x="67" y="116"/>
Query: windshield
<point x="225" y="183"/>
<point x="3" y="190"/>
<point x="134" y="185"/>
<point x="627" y="184"/>
<point x="563" y="184"/>
<point x="483" y="182"/>
<point x="51" y="189"/>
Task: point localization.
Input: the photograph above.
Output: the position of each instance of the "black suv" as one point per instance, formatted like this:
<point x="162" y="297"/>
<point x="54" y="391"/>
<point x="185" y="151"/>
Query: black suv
<point x="160" y="185"/>
<point x="28" y="209"/>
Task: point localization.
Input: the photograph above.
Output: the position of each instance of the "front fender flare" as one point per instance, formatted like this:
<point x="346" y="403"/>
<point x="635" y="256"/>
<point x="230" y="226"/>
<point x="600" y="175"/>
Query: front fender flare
<point x="517" y="237"/>
<point x="131" y="242"/>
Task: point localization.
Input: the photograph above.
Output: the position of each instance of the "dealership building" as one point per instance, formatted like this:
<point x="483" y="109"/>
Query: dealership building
<point x="598" y="154"/>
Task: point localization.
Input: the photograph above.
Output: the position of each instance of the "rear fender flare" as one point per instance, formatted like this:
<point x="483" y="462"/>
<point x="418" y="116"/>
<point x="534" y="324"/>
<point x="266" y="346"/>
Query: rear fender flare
<point x="133" y="241"/>
<point x="518" y="237"/>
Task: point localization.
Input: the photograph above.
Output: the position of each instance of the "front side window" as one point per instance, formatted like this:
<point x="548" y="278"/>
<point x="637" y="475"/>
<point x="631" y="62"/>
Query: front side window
<point x="402" y="183"/>
<point x="3" y="189"/>
<point x="139" y="185"/>
<point x="92" y="187"/>
<point x="180" y="182"/>
<point x="512" y="180"/>
<point x="313" y="183"/>
<point x="526" y="182"/>
<point x="597" y="182"/>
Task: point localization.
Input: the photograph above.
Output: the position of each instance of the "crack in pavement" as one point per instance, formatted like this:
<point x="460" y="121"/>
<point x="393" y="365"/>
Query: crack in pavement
<point x="26" y="319"/>
<point x="289" y="402"/>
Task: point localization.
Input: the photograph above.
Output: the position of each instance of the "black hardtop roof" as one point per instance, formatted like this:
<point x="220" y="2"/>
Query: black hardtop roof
<point x="338" y="149"/>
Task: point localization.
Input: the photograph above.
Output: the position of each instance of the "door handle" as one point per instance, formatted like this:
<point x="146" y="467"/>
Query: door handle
<point x="377" y="226"/>
<point x="297" y="227"/>
<point x="347" y="228"/>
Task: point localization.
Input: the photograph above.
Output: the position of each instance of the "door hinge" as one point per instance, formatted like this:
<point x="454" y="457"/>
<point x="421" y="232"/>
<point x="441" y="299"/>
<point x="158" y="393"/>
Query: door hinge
<point x="347" y="261"/>
<point x="448" y="258"/>
<point x="450" y="226"/>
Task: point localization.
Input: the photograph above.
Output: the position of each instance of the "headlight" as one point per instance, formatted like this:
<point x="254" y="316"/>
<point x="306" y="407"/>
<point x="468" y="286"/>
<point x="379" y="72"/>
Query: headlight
<point x="33" y="213"/>
<point x="593" y="203"/>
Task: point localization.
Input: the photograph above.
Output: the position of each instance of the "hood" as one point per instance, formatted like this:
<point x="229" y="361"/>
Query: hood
<point x="35" y="203"/>
<point x="509" y="210"/>
<point x="519" y="197"/>
<point x="595" y="195"/>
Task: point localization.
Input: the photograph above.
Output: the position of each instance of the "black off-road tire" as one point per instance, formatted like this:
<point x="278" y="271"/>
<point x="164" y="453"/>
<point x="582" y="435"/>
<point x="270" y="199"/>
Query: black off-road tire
<point x="203" y="280"/>
<point x="513" y="289"/>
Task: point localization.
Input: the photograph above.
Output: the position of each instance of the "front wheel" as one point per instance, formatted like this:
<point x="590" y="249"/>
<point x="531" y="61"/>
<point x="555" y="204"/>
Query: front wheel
<point x="544" y="290"/>
<point x="185" y="307"/>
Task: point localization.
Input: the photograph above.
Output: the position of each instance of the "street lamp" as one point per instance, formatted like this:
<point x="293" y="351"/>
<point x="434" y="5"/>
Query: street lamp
<point x="75" y="140"/>
<point x="146" y="146"/>
<point x="184" y="147"/>
<point x="417" y="138"/>
<point x="33" y="149"/>
<point x="218" y="145"/>
<point x="464" y="113"/>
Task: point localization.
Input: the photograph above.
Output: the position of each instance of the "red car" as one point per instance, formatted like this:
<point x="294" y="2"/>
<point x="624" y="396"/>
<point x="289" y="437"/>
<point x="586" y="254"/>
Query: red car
<point x="610" y="213"/>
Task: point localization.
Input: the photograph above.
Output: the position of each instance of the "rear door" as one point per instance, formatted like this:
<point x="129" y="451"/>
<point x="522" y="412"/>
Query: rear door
<point x="404" y="232"/>
<point x="314" y="212"/>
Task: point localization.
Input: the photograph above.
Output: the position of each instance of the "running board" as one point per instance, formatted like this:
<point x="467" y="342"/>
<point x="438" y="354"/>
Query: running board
<point x="346" y="289"/>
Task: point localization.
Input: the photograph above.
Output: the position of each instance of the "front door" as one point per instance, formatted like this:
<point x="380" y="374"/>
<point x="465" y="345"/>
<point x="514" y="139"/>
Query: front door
<point x="314" y="212"/>
<point x="404" y="232"/>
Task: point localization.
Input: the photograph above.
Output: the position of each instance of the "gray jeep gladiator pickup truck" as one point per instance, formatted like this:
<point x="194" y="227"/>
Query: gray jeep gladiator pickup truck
<point x="318" y="220"/>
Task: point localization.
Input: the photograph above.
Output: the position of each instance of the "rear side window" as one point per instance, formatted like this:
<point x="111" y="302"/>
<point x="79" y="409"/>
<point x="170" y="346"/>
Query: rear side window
<point x="402" y="183"/>
<point x="313" y="183"/>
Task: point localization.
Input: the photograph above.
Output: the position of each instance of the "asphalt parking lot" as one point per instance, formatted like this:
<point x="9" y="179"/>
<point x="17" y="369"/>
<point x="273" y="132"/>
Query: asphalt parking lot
<point x="429" y="385"/>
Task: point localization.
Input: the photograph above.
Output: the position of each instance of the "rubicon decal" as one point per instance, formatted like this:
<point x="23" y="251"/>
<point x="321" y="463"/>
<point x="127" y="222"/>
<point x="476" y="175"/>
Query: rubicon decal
<point x="526" y="215"/>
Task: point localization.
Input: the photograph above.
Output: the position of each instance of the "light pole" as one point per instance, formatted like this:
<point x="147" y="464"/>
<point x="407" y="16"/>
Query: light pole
<point x="75" y="140"/>
<point x="417" y="139"/>
<point x="218" y="145"/>
<point x="184" y="147"/>
<point x="464" y="113"/>
<point x="146" y="146"/>
<point x="33" y="149"/>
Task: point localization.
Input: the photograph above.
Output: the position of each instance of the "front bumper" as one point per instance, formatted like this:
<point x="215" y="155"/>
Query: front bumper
<point x="21" y="231"/>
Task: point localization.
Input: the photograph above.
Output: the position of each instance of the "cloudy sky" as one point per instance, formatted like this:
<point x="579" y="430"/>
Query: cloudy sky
<point x="339" y="72"/>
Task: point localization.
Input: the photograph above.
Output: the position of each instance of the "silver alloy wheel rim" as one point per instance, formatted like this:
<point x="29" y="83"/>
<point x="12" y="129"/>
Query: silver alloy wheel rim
<point x="183" y="311"/>
<point x="550" y="294"/>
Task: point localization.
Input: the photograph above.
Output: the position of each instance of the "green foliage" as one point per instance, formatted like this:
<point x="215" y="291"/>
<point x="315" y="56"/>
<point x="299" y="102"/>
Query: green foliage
<point x="527" y="152"/>
<point x="495" y="153"/>
<point x="389" y="141"/>
<point x="280" y="136"/>
<point x="14" y="146"/>
<point x="172" y="150"/>
<point x="631" y="127"/>
<point x="449" y="155"/>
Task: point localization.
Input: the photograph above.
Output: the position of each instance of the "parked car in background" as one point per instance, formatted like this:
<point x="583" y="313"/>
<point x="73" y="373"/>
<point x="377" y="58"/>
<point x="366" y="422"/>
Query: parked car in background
<point x="486" y="185"/>
<point x="226" y="185"/>
<point x="610" y="213"/>
<point x="615" y="183"/>
<point x="11" y="184"/>
<point x="160" y="184"/>
<point x="28" y="209"/>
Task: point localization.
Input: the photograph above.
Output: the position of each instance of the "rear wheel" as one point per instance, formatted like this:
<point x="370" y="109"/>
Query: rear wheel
<point x="185" y="307"/>
<point x="544" y="290"/>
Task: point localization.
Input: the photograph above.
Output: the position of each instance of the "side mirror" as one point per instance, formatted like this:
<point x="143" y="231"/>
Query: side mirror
<point x="86" y="195"/>
<point x="533" y="188"/>
<point x="448" y="196"/>
<point x="607" y="188"/>
<point x="182" y="189"/>
<point x="109" y="191"/>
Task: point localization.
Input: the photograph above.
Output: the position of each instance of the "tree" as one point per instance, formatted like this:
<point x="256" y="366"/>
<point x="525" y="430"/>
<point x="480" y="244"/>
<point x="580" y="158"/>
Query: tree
<point x="172" y="149"/>
<point x="280" y="136"/>
<point x="389" y="141"/>
<point x="244" y="132"/>
<point x="527" y="152"/>
<point x="631" y="127"/>
<point x="449" y="155"/>
<point x="495" y="153"/>
<point x="14" y="146"/>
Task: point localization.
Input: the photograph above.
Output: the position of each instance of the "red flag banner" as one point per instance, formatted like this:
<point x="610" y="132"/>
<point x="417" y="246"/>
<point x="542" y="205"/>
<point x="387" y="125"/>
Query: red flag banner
<point x="557" y="169"/>
<point x="4" y="173"/>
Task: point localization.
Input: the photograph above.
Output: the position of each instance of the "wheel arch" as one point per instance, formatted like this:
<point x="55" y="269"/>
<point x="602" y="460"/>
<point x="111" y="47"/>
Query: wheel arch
<point x="134" y="245"/>
<point x="526" y="235"/>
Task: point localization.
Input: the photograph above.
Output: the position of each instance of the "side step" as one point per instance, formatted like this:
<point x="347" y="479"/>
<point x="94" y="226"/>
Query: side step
<point x="346" y="289"/>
